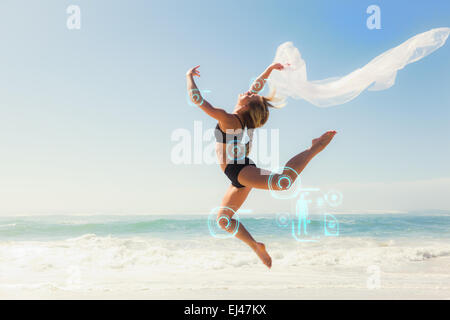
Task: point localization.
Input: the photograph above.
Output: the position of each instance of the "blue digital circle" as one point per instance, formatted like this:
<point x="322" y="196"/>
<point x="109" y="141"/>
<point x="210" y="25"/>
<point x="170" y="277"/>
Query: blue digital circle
<point x="258" y="84"/>
<point x="238" y="150"/>
<point x="194" y="97"/>
<point x="214" y="223"/>
<point x="283" y="220"/>
<point x="333" y="198"/>
<point x="275" y="179"/>
<point x="289" y="180"/>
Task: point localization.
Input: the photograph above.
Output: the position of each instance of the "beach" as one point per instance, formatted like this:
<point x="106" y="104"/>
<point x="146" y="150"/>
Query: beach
<point x="177" y="258"/>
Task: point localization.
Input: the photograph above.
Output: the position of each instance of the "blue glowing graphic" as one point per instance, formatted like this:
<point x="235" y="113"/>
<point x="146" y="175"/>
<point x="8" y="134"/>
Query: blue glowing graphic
<point x="334" y="198"/>
<point x="276" y="179"/>
<point x="300" y="233"/>
<point x="283" y="220"/>
<point x="223" y="222"/>
<point x="310" y="201"/>
<point x="195" y="97"/>
<point x="320" y="202"/>
<point x="259" y="85"/>
<point x="223" y="215"/>
<point x="236" y="150"/>
<point x="288" y="179"/>
<point x="330" y="225"/>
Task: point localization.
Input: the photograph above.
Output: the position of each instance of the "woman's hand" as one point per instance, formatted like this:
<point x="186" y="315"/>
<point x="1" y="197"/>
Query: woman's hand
<point x="193" y="72"/>
<point x="260" y="82"/>
<point x="276" y="66"/>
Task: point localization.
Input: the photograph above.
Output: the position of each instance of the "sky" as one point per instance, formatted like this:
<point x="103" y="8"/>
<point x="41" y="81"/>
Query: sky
<point x="87" y="115"/>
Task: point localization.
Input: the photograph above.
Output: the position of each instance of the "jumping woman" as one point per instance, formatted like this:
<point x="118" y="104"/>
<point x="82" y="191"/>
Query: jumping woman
<point x="251" y="112"/>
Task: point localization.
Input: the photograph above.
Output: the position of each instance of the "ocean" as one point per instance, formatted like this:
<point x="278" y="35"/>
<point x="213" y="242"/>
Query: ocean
<point x="156" y="253"/>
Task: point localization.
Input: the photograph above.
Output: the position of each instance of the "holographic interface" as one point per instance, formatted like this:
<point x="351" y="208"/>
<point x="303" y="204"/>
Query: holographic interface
<point x="312" y="201"/>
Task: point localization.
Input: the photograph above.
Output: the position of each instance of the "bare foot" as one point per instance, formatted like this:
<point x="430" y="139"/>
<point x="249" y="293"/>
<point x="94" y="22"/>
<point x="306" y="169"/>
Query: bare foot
<point x="260" y="250"/>
<point x="320" y="143"/>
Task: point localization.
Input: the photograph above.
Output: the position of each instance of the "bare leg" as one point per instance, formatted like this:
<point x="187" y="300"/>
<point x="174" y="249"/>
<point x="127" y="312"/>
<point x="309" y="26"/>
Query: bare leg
<point x="234" y="198"/>
<point x="257" y="178"/>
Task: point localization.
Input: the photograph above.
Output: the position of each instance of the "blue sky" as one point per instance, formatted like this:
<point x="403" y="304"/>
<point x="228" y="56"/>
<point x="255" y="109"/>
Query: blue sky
<point x="86" y="115"/>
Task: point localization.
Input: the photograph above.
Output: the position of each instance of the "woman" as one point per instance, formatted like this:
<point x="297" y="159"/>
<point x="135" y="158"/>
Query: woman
<point x="250" y="112"/>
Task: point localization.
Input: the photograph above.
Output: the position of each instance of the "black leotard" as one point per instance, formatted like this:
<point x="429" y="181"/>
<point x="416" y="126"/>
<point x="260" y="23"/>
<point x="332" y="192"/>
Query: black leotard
<point x="223" y="137"/>
<point x="233" y="168"/>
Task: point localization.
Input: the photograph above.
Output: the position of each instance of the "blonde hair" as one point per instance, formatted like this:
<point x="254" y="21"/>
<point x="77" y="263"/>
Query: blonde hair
<point x="258" y="112"/>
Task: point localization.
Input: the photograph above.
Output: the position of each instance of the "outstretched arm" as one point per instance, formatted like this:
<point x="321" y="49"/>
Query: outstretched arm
<point x="260" y="82"/>
<point x="196" y="97"/>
